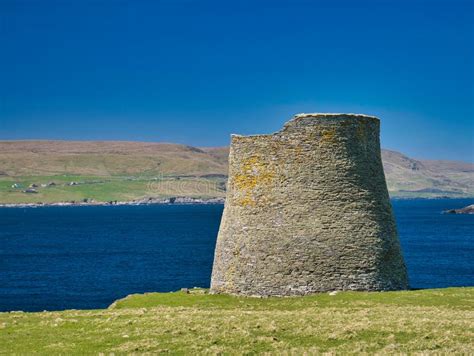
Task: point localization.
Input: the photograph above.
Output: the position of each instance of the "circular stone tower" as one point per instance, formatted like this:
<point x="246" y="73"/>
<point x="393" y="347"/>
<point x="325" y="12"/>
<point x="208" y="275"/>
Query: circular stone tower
<point x="307" y="210"/>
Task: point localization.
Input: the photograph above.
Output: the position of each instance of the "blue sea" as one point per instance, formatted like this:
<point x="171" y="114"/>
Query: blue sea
<point x="54" y="258"/>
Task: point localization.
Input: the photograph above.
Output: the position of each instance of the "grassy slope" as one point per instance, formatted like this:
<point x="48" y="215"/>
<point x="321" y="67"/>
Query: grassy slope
<point x="107" y="188"/>
<point x="132" y="170"/>
<point x="440" y="321"/>
<point x="107" y="171"/>
<point x="407" y="177"/>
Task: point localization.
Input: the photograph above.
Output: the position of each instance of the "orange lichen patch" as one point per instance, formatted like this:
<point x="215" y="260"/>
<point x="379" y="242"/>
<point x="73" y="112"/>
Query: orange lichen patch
<point x="253" y="173"/>
<point x="246" y="200"/>
<point x="299" y="155"/>
<point x="328" y="136"/>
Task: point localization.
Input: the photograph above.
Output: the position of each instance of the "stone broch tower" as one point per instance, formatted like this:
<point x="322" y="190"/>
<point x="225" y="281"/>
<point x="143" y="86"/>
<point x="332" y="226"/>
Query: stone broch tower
<point x="308" y="210"/>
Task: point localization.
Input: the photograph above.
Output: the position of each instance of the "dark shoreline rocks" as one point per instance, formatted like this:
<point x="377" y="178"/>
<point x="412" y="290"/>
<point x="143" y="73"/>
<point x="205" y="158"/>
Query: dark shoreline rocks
<point x="145" y="201"/>
<point x="176" y="200"/>
<point x="466" y="210"/>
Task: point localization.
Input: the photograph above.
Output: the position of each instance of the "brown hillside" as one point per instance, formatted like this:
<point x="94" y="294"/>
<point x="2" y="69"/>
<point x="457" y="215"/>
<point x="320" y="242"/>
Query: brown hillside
<point x="406" y="177"/>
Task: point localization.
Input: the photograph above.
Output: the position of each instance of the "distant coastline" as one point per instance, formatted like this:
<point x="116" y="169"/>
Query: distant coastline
<point x="167" y="201"/>
<point x="147" y="201"/>
<point x="61" y="172"/>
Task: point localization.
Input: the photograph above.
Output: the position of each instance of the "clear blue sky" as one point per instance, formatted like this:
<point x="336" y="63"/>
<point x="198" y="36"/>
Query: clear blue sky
<point x="196" y="71"/>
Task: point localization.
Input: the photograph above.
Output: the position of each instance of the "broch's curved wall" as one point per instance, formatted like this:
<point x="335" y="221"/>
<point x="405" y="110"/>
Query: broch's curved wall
<point x="308" y="210"/>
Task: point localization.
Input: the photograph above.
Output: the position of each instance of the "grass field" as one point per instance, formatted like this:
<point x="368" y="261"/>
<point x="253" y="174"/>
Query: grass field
<point x="105" y="189"/>
<point x="428" y="321"/>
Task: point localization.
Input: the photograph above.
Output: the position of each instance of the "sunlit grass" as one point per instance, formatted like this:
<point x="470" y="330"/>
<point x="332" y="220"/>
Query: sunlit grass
<point x="428" y="321"/>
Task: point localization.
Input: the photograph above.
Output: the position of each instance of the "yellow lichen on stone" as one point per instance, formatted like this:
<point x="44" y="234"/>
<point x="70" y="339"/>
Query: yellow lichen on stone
<point x="253" y="173"/>
<point x="298" y="153"/>
<point x="328" y="136"/>
<point x="246" y="200"/>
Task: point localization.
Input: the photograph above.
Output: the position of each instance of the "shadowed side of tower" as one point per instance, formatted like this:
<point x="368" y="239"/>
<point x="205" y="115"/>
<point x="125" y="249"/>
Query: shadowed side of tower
<point x="308" y="210"/>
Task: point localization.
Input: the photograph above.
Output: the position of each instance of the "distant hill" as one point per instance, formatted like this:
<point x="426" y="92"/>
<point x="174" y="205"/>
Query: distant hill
<point x="408" y="177"/>
<point x="106" y="158"/>
<point x="106" y="161"/>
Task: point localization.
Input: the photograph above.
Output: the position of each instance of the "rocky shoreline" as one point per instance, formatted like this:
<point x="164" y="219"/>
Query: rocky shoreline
<point x="146" y="201"/>
<point x="466" y="210"/>
<point x="176" y="200"/>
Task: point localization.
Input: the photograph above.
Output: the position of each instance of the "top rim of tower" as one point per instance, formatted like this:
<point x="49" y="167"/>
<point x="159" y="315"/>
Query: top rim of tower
<point x="300" y="116"/>
<point x="333" y="115"/>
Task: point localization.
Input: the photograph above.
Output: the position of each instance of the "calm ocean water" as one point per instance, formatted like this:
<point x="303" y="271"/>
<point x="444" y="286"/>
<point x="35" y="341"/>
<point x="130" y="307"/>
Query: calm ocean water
<point x="86" y="257"/>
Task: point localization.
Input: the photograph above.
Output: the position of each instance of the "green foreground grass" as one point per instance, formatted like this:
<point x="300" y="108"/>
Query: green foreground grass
<point x="428" y="321"/>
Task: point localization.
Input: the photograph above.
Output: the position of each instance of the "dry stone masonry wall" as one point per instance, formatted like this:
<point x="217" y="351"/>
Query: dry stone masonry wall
<point x="307" y="210"/>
